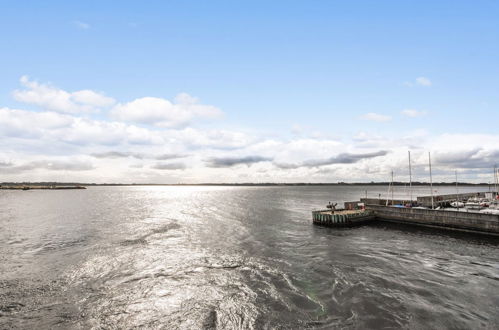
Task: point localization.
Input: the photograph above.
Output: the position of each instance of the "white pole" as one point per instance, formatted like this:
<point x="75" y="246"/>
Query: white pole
<point x="387" y="194"/>
<point x="410" y="177"/>
<point x="457" y="193"/>
<point x="392" y="188"/>
<point x="495" y="178"/>
<point x="431" y="181"/>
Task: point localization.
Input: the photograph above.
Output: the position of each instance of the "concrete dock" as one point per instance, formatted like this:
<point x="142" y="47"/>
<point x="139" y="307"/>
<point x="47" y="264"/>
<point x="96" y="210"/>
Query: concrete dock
<point x="448" y="219"/>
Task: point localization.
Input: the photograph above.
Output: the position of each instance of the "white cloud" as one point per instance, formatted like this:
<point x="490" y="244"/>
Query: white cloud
<point x="372" y="116"/>
<point x="297" y="129"/>
<point x="50" y="126"/>
<point x="81" y="25"/>
<point x="163" y="113"/>
<point x="92" y="98"/>
<point x="413" y="113"/>
<point x="52" y="165"/>
<point x="52" y="98"/>
<point x="221" y="139"/>
<point x="21" y="123"/>
<point x="419" y="81"/>
<point x="423" y="81"/>
<point x="368" y="140"/>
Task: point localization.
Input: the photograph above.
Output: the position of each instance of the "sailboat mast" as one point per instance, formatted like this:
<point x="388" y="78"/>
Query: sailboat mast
<point x="387" y="196"/>
<point x="410" y="177"/>
<point x="431" y="181"/>
<point x="392" y="188"/>
<point x="457" y="189"/>
<point x="495" y="178"/>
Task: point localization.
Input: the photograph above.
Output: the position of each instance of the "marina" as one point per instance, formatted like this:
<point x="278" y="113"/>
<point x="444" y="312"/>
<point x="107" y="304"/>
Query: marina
<point x="472" y="212"/>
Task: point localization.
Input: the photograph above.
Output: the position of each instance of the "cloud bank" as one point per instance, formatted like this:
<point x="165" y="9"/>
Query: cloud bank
<point x="87" y="136"/>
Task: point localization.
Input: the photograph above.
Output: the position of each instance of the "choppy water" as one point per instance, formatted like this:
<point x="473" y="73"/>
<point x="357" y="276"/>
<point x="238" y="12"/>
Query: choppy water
<point x="231" y="257"/>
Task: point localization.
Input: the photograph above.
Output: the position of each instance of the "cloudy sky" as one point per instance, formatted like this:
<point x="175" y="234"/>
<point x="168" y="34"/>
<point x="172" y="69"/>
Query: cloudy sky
<point x="248" y="91"/>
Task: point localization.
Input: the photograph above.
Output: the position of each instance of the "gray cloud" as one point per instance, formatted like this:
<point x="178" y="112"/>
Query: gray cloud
<point x="287" y="166"/>
<point x="120" y="154"/>
<point x="169" y="156"/>
<point x="169" y="166"/>
<point x="470" y="159"/>
<point x="111" y="154"/>
<point x="231" y="161"/>
<point x="48" y="165"/>
<point x="343" y="158"/>
<point x="456" y="157"/>
<point x="5" y="164"/>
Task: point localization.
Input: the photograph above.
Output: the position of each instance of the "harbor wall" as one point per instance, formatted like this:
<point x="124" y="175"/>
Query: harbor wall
<point x="486" y="223"/>
<point x="382" y="201"/>
<point x="438" y="200"/>
<point x="444" y="199"/>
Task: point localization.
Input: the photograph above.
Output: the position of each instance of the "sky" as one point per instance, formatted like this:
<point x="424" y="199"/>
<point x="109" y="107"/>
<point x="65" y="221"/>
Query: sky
<point x="248" y="91"/>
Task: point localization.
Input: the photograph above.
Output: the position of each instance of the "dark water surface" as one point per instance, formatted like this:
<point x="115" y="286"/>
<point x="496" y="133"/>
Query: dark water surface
<point x="232" y="257"/>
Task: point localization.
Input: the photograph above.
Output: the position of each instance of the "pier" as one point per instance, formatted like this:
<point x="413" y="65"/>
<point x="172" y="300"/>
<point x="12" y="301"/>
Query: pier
<point x="448" y="219"/>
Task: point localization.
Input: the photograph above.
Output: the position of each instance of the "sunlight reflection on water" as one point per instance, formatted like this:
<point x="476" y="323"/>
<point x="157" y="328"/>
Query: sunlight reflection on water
<point x="230" y="257"/>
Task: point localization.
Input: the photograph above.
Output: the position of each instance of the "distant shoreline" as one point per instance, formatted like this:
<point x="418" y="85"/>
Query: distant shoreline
<point x="60" y="184"/>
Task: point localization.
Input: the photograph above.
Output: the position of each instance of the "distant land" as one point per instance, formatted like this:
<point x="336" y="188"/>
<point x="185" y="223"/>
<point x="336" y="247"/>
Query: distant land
<point x="415" y="183"/>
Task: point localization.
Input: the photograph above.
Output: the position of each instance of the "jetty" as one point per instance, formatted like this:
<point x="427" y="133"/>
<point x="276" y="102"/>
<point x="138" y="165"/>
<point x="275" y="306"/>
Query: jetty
<point x="413" y="213"/>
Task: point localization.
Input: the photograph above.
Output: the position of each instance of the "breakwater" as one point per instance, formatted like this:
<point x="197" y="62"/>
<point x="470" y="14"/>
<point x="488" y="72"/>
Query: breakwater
<point x="448" y="219"/>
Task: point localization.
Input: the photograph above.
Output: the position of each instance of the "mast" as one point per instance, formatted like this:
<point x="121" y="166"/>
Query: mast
<point x="392" y="187"/>
<point x="431" y="180"/>
<point x="410" y="177"/>
<point x="457" y="191"/>
<point x="495" y="178"/>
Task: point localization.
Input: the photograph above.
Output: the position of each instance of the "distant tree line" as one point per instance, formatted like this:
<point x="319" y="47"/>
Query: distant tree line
<point x="372" y="183"/>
